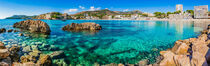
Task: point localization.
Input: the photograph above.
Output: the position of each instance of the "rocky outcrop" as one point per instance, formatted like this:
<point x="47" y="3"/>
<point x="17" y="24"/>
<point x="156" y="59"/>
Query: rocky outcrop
<point x="2" y="30"/>
<point x="10" y="30"/>
<point x="189" y="52"/>
<point x="45" y="60"/>
<point x="82" y="26"/>
<point x="33" y="26"/>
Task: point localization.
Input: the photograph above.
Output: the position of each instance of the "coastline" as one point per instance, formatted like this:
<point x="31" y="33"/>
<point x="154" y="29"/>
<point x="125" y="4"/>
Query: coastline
<point x="165" y="53"/>
<point x="197" y="20"/>
<point x="155" y="19"/>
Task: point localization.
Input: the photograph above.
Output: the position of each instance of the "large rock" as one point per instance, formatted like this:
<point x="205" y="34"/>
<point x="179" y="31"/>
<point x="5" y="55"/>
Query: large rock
<point x="57" y="54"/>
<point x="2" y="45"/>
<point x="182" y="60"/>
<point x="4" y="53"/>
<point x="24" y="64"/>
<point x="44" y="60"/>
<point x="168" y="58"/>
<point x="180" y="48"/>
<point x="10" y="30"/>
<point x="199" y="49"/>
<point x="2" y="30"/>
<point x="82" y="26"/>
<point x="33" y="26"/>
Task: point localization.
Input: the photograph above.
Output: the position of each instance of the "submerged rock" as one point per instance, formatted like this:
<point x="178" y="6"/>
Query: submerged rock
<point x="33" y="26"/>
<point x="10" y="30"/>
<point x="57" y="54"/>
<point x="82" y="26"/>
<point x="2" y="30"/>
<point x="20" y="34"/>
<point x="27" y="49"/>
<point x="44" y="60"/>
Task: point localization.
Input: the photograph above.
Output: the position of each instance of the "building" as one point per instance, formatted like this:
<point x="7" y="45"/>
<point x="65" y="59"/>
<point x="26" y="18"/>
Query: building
<point x="179" y="7"/>
<point x="65" y="16"/>
<point x="201" y="12"/>
<point x="48" y="16"/>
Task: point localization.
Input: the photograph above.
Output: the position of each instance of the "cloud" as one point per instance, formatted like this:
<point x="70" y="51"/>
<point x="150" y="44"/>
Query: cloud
<point x="81" y="7"/>
<point x="125" y="10"/>
<point x="92" y="8"/>
<point x="70" y="10"/>
<point x="73" y="10"/>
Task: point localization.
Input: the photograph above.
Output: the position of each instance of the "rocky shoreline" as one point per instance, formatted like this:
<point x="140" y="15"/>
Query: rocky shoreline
<point x="188" y="52"/>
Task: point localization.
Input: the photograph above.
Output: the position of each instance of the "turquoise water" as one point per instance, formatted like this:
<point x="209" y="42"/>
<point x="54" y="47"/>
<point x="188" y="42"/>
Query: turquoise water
<point x="119" y="41"/>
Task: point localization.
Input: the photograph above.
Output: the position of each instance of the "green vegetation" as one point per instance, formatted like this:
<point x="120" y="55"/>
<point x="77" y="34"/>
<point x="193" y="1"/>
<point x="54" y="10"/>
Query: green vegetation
<point x="169" y="13"/>
<point x="21" y="17"/>
<point x="102" y="13"/>
<point x="145" y="15"/>
<point x="177" y="12"/>
<point x="56" y="15"/>
<point x="190" y="11"/>
<point x="160" y="15"/>
<point x="209" y="13"/>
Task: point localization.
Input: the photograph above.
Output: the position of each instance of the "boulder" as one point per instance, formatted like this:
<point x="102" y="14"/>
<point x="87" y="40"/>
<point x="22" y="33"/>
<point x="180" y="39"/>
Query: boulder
<point x="182" y="60"/>
<point x="15" y="30"/>
<point x="10" y="30"/>
<point x="20" y="34"/>
<point x="180" y="48"/>
<point x="143" y="62"/>
<point x="2" y="45"/>
<point x="199" y="49"/>
<point x="203" y="37"/>
<point x="27" y="49"/>
<point x="33" y="26"/>
<point x="4" y="64"/>
<point x="44" y="60"/>
<point x="82" y="26"/>
<point x="14" y="53"/>
<point x="198" y="59"/>
<point x="167" y="58"/>
<point x="2" y="30"/>
<point x="24" y="64"/>
<point x="111" y="64"/>
<point x="57" y="54"/>
<point x="4" y="53"/>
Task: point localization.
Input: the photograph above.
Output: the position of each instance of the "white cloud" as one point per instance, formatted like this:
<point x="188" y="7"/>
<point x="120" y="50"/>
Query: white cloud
<point x="92" y="8"/>
<point x="73" y="10"/>
<point x="70" y="10"/>
<point x="125" y="10"/>
<point x="81" y="7"/>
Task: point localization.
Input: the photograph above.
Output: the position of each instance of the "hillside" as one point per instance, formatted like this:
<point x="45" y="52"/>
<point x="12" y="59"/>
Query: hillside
<point x="102" y="13"/>
<point x="20" y="17"/>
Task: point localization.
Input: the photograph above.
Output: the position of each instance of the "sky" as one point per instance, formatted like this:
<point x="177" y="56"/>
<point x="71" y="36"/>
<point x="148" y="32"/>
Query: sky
<point x="36" y="7"/>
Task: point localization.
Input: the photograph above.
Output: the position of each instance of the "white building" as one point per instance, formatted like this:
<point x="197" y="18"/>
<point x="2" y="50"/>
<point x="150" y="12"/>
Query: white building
<point x="179" y="7"/>
<point x="201" y="11"/>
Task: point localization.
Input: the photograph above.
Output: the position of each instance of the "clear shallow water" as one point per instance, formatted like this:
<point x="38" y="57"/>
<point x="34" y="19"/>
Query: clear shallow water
<point x="118" y="42"/>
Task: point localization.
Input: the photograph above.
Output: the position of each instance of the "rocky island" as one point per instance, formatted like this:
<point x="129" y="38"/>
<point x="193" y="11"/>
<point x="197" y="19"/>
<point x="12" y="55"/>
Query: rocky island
<point x="33" y="26"/>
<point x="82" y="26"/>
